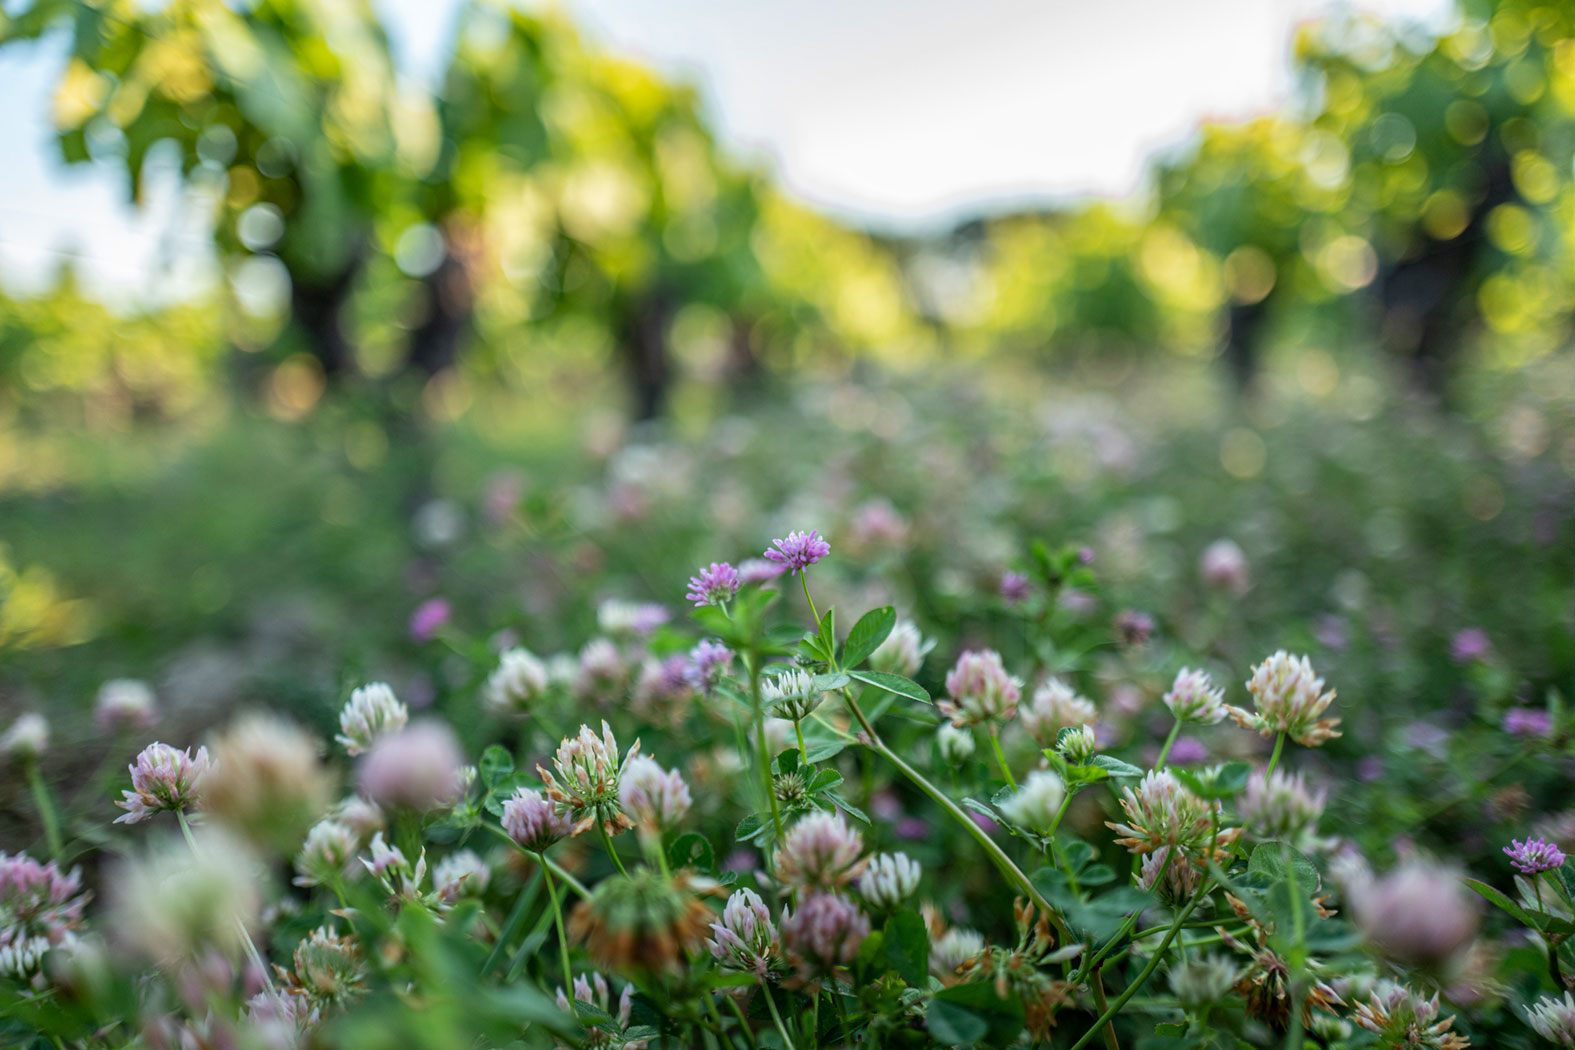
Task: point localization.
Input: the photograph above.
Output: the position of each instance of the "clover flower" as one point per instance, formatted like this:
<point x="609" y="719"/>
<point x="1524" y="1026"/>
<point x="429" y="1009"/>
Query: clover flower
<point x="588" y="768"/>
<point x="1177" y="880"/>
<point x="1037" y="803"/>
<point x="715" y="584"/>
<point x="979" y="690"/>
<point x="372" y="711"/>
<point x="326" y="855"/>
<point x="1162" y="812"/>
<point x="418" y="768"/>
<point x="662" y="689"/>
<point x="902" y="652"/>
<point x="623" y="619"/>
<point x="956" y="743"/>
<point x="1534" y="856"/>
<point x="1415" y="915"/>
<point x="162" y="778"/>
<point x="890" y="879"/>
<point x="1223" y="566"/>
<point x="1077" y="744"/>
<point x="820" y="850"/>
<point x="1203" y="979"/>
<point x="601" y="997"/>
<point x="27" y="738"/>
<point x="1133" y="628"/>
<point x="746" y="939"/>
<point x="41" y="907"/>
<point x="461" y="874"/>
<point x="655" y="798"/>
<point x="1015" y="586"/>
<point x="516" y="684"/>
<point x="179" y="901"/>
<point x="267" y="780"/>
<point x="1470" y="645"/>
<point x="644" y="922"/>
<point x="825" y="933"/>
<point x="1405" y="1018"/>
<point x="601" y="671"/>
<point x="329" y="969"/>
<point x="1528" y="721"/>
<point x="759" y="570"/>
<point x="708" y="661"/>
<point x="1280" y="806"/>
<point x="1554" y="1019"/>
<point x="953" y="949"/>
<point x="1289" y="698"/>
<point x="429" y="618"/>
<point x="1056" y="706"/>
<point x="124" y="703"/>
<point x="534" y="821"/>
<point x="798" y="551"/>
<point x="1193" y="698"/>
<point x="791" y="694"/>
<point x="401" y="878"/>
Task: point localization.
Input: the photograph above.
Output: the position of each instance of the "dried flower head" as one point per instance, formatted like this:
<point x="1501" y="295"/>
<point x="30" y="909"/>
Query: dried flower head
<point x="819" y="851"/>
<point x="535" y="821"/>
<point x="798" y="551"/>
<point x="644" y="922"/>
<point x="1193" y="698"/>
<point x="162" y="778"/>
<point x="1054" y="707"/>
<point x="746" y="939"/>
<point x="417" y="768"/>
<point x="715" y="584"/>
<point x="1534" y="856"/>
<point x="1288" y="698"/>
<point x="41" y="907"/>
<point x="372" y="711"/>
<point x="903" y="651"/>
<point x="1036" y="805"/>
<point x="1019" y="970"/>
<point x="890" y="879"/>
<point x="979" y="690"/>
<point x="588" y="768"/>
<point x="791" y="694"/>
<point x="655" y="798"/>
<point x="516" y="684"/>
<point x="125" y="703"/>
<point x="824" y="934"/>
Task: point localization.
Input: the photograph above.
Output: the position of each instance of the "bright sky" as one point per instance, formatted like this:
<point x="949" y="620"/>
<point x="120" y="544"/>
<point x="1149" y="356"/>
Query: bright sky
<point x="898" y="113"/>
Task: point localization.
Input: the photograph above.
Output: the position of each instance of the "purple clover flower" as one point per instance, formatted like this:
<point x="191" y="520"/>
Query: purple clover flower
<point x="799" y="551"/>
<point x="1188" y="751"/>
<point x="716" y="583"/>
<point x="1015" y="586"/>
<point x="1527" y="721"/>
<point x="758" y="570"/>
<point x="707" y="662"/>
<point x="1469" y="646"/>
<point x="429" y="618"/>
<point x="1534" y="855"/>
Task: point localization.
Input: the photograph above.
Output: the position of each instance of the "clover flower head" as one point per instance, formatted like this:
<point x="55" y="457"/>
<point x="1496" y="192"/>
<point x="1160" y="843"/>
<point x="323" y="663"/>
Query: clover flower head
<point x="372" y="711"/>
<point x="27" y="737"/>
<point x="41" y="907"/>
<point x="1056" y="706"/>
<point x="1534" y="856"/>
<point x="178" y="902"/>
<point x="420" y="768"/>
<point x="956" y="743"/>
<point x="825" y="933"/>
<point x="125" y="703"/>
<point x="462" y="873"/>
<point x="601" y="671"/>
<point x="1193" y="698"/>
<point x="1203" y="979"/>
<point x="714" y="584"/>
<point x="1037" y="803"/>
<point x="389" y="865"/>
<point x="1417" y="914"/>
<point x="326" y="855"/>
<point x="820" y="850"/>
<point x="1176" y="880"/>
<point x="594" y="991"/>
<point x="890" y="879"/>
<point x="1077" y="744"/>
<point x="644" y="922"/>
<point x="746" y="938"/>
<point x="759" y="570"/>
<point x="1528" y="721"/>
<point x="516" y="684"/>
<point x="1279" y="805"/>
<point x="1133" y="628"/>
<point x="1015" y="586"/>
<point x="534" y="821"/>
<point x="1553" y="1019"/>
<point x="791" y="694"/>
<point x="979" y="690"/>
<point x="708" y="661"/>
<point x="624" y="619"/>
<point x="798" y="551"/>
<point x="328" y="968"/>
<point x="267" y="780"/>
<point x="954" y="948"/>
<point x="588" y="768"/>
<point x="1405" y="1018"/>
<point x="1288" y="698"/>
<point x="1223" y="566"/>
<point x="163" y="777"/>
<point x="1162" y="812"/>
<point x="655" y="798"/>
<point x="903" y="651"/>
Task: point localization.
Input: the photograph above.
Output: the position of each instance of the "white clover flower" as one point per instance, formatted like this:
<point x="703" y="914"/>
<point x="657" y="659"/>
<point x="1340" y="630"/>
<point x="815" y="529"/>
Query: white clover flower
<point x="903" y="651"/>
<point x="1554" y="1019"/>
<point x="372" y="711"/>
<point x="1289" y="698"/>
<point x="1193" y="698"/>
<point x="177" y="902"/>
<point x="956" y="743"/>
<point x="326" y="855"/>
<point x="461" y="874"/>
<point x="791" y="694"/>
<point x="1280" y="806"/>
<point x="655" y="798"/>
<point x="745" y="940"/>
<point x="519" y="681"/>
<point x="1077" y="744"/>
<point x="27" y="737"/>
<point x="1054" y="707"/>
<point x="588" y="769"/>
<point x="1203" y="979"/>
<point x="124" y="703"/>
<point x="1037" y="803"/>
<point x="820" y="851"/>
<point x="953" y="948"/>
<point x="890" y="879"/>
<point x="1223" y="566"/>
<point x="979" y="690"/>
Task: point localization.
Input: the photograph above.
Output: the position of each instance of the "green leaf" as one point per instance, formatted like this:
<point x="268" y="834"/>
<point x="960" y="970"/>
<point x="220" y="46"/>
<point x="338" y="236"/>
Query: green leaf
<point x="749" y="828"/>
<point x="827" y="635"/>
<point x="496" y="763"/>
<point x="908" y="947"/>
<point x="824" y="780"/>
<point x="893" y="683"/>
<point x="853" y="811"/>
<point x="1096" y="875"/>
<point x="692" y="850"/>
<point x="973" y="1015"/>
<point x="871" y="630"/>
<point x="1224" y="782"/>
<point x="1116" y="768"/>
<point x="1494" y="897"/>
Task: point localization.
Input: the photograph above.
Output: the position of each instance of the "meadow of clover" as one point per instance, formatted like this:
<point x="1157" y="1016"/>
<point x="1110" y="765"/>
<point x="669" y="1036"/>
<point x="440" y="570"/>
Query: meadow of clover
<point x="551" y="588"/>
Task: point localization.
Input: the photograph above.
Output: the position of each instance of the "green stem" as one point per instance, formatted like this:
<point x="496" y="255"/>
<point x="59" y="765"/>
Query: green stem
<point x="1170" y="741"/>
<point x="803" y="578"/>
<point x="46" y="807"/>
<point x="1103" y="1007"/>
<point x="743" y="1022"/>
<point x="716" y="1020"/>
<point x="1274" y="759"/>
<point x="803" y="752"/>
<point x="764" y="753"/>
<point x="1000" y="757"/>
<point x="557" y="918"/>
<point x="1126" y="925"/>
<point x="1143" y="975"/>
<point x="511" y="925"/>
<point x="776" y="1018"/>
<point x="567" y="876"/>
<point x="611" y="852"/>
